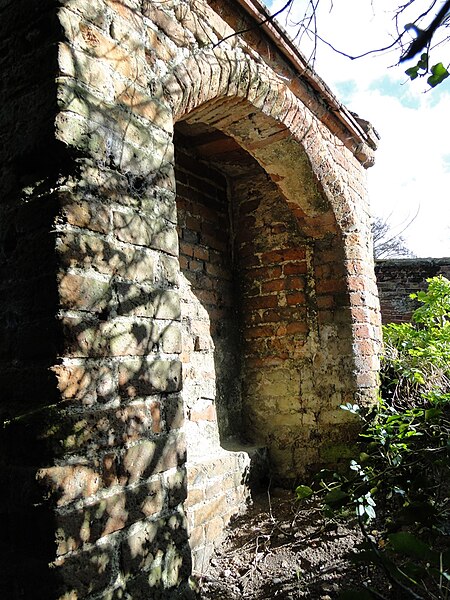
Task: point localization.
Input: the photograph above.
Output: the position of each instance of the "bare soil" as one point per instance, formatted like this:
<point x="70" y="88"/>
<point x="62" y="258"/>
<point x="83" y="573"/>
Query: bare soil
<point x="286" y="550"/>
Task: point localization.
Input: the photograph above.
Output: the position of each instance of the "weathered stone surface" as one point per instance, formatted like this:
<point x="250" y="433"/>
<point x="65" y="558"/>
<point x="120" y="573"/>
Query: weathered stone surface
<point x="153" y="232"/>
<point x="84" y="293"/>
<point x="91" y="252"/>
<point x="138" y="301"/>
<point x="139" y="377"/>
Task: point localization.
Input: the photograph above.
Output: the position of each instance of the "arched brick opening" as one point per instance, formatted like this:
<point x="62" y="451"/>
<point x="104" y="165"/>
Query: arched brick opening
<point x="256" y="281"/>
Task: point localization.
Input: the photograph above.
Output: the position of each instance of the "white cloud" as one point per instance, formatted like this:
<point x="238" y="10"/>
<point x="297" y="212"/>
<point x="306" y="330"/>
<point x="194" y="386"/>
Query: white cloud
<point x="412" y="163"/>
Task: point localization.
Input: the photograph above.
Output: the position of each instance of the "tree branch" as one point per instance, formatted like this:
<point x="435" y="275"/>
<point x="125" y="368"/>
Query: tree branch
<point x="424" y="37"/>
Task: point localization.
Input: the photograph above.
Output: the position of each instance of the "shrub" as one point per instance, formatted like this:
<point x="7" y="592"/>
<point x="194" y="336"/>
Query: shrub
<point x="399" y="483"/>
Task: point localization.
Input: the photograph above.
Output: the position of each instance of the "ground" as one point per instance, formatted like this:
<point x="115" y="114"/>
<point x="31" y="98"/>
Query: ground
<point x="285" y="550"/>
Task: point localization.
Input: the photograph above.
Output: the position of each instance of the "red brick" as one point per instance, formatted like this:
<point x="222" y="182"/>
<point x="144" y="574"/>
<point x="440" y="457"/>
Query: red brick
<point x="203" y="186"/>
<point x="297" y="268"/>
<point x="276" y="285"/>
<point x="357" y="299"/>
<point x="266" y="273"/>
<point x="324" y="302"/>
<point x="326" y="286"/>
<point x="364" y="347"/>
<point x="325" y="316"/>
<point x="295" y="283"/>
<point x="278" y="347"/>
<point x="296" y="298"/>
<point x="214" y="242"/>
<point x="201" y="253"/>
<point x="184" y="263"/>
<point x="183" y="205"/>
<point x="249" y="261"/>
<point x="261" y="302"/>
<point x="184" y="192"/>
<point x="196" y="265"/>
<point x="207" y="296"/>
<point x="186" y="248"/>
<point x="272" y="257"/>
<point x="357" y="284"/>
<point x="258" y="332"/>
<point x="206" y="213"/>
<point x="193" y="223"/>
<point x="270" y="316"/>
<point x="362" y="331"/>
<point x="297" y="327"/>
<point x="217" y="271"/>
<point x="216" y="229"/>
<point x="294" y="254"/>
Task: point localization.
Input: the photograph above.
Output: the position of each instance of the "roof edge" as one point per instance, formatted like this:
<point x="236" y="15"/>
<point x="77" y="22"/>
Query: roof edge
<point x="361" y="131"/>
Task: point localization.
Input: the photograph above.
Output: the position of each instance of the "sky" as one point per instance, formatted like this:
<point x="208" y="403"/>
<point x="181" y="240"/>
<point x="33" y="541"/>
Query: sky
<point x="412" y="169"/>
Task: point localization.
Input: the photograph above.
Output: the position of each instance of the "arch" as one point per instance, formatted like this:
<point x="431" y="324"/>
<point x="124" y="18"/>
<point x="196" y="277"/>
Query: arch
<point x="225" y="87"/>
<point x="318" y="178"/>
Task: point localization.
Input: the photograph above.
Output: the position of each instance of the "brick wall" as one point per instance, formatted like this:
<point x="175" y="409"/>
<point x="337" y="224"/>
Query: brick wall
<point x="211" y="348"/>
<point x="217" y="478"/>
<point x="295" y="314"/>
<point x="398" y="278"/>
<point x="107" y="362"/>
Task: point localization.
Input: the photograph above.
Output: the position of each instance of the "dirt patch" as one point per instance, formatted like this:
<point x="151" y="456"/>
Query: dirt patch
<point x="286" y="550"/>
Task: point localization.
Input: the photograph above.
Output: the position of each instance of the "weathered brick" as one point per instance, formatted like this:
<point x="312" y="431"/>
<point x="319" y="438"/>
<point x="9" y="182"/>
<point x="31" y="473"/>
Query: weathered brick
<point x="146" y="458"/>
<point x="150" y="231"/>
<point x="88" y="382"/>
<point x="209" y="511"/>
<point x="84" y="293"/>
<point x="108" y="515"/>
<point x="296" y="298"/>
<point x="140" y="377"/>
<point x="69" y="482"/>
<point x="137" y="301"/>
<point x="94" y="217"/>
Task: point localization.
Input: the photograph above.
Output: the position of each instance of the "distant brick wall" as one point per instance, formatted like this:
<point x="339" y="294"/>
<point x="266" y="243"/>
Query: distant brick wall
<point x="398" y="278"/>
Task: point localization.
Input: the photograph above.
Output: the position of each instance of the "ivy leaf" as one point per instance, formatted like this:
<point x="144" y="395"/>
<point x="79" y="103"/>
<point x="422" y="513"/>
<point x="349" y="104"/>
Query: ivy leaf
<point x="423" y="62"/>
<point x="422" y="65"/>
<point x="303" y="491"/>
<point x="336" y="497"/>
<point x="409" y="545"/>
<point x="439" y="73"/>
<point x="432" y="413"/>
<point x="412" y="72"/>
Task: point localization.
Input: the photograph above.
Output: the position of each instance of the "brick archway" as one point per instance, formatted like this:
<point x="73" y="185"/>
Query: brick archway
<point x="304" y="330"/>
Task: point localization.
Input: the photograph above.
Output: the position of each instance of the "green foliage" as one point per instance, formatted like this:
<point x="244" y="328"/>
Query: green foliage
<point x="437" y="73"/>
<point x="399" y="483"/>
<point x="303" y="491"/>
<point x="420" y="68"/>
<point x="416" y="363"/>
